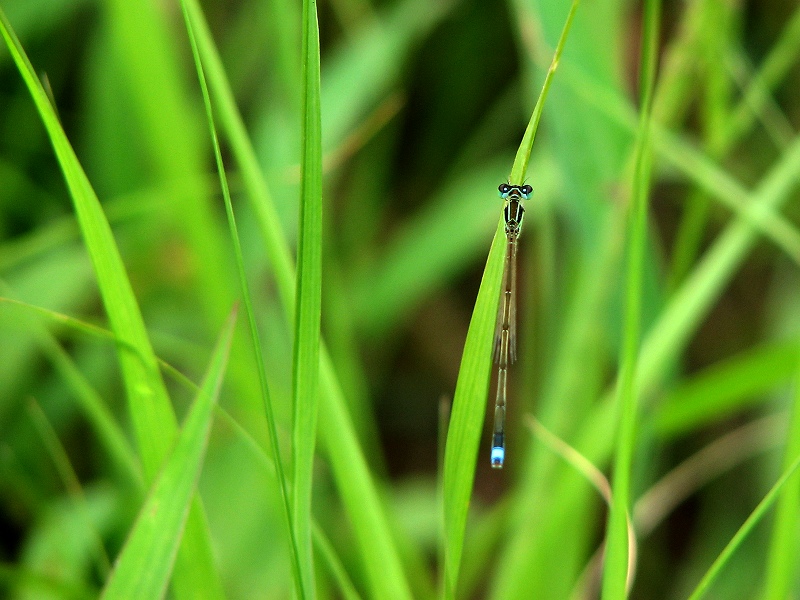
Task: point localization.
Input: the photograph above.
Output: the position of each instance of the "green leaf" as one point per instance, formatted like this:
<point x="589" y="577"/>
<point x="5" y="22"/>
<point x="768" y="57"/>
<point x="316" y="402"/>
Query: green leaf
<point x="358" y="491"/>
<point x="192" y="15"/>
<point x="144" y="565"/>
<point x="355" y="483"/>
<point x="469" y="408"/>
<point x="154" y="421"/>
<point x="781" y="564"/>
<point x="469" y="401"/>
<point x="520" y="167"/>
<point x="617" y="553"/>
<point x="305" y="366"/>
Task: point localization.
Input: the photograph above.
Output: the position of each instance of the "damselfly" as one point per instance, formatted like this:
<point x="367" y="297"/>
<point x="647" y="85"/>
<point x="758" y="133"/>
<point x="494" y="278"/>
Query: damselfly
<point x="505" y="333"/>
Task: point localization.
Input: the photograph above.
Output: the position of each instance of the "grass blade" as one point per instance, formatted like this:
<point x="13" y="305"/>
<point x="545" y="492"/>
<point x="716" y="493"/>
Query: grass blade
<point x="616" y="568"/>
<point x="469" y="401"/>
<point x="234" y="129"/>
<point x="469" y="407"/>
<point x="781" y="566"/>
<point x="146" y="392"/>
<point x="308" y="303"/>
<point x="697" y="167"/>
<point x="356" y="486"/>
<point x="359" y="494"/>
<point x="191" y="15"/>
<point x="144" y="565"/>
<point x="736" y="541"/>
<point x="154" y="422"/>
<point x="523" y="156"/>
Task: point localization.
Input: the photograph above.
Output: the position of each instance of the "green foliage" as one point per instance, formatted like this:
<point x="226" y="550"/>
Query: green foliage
<point x="619" y="553"/>
<point x="143" y="567"/>
<point x="658" y="268"/>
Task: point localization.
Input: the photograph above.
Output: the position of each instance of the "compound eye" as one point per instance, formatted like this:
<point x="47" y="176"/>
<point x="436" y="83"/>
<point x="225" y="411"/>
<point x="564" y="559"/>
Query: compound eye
<point x="504" y="188"/>
<point x="527" y="190"/>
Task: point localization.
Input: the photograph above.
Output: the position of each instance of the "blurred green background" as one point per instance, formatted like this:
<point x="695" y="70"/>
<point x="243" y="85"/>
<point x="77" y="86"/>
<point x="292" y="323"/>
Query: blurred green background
<point x="423" y="105"/>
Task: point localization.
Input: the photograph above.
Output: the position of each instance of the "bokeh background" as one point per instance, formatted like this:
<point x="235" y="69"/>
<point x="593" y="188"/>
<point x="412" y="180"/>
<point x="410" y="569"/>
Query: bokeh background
<point x="424" y="103"/>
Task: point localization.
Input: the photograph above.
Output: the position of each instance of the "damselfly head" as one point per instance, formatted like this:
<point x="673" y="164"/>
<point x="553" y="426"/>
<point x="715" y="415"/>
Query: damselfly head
<point x="510" y="191"/>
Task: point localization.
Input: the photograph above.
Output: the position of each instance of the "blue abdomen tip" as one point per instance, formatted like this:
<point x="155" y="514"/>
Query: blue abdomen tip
<point x="498" y="455"/>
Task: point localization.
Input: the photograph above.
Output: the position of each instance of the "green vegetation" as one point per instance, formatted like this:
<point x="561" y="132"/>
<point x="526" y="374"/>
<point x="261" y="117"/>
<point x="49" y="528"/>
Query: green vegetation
<point x="153" y="443"/>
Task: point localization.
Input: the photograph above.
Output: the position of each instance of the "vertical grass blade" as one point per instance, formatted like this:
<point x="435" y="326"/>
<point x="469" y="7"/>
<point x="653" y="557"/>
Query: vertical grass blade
<point x="616" y="568"/>
<point x="232" y="125"/>
<point x="359" y="493"/>
<point x="144" y="565"/>
<point x="146" y="392"/>
<point x="356" y="486"/>
<point x="191" y="13"/>
<point x="469" y="401"/>
<point x="781" y="563"/>
<point x="155" y="425"/>
<point x="526" y="146"/>
<point x="305" y="368"/>
<point x="469" y="407"/>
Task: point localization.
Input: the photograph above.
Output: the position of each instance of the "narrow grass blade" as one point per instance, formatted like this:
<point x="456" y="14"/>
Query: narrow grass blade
<point x="356" y="486"/>
<point x="359" y="494"/>
<point x="616" y="568"/>
<point x="469" y="407"/>
<point x="523" y="156"/>
<point x="191" y="15"/>
<point x="143" y="567"/>
<point x="736" y="541"/>
<point x="469" y="401"/>
<point x="698" y="167"/>
<point x="781" y="564"/>
<point x="146" y="392"/>
<point x="258" y="193"/>
<point x="305" y="371"/>
<point x="154" y="422"/>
